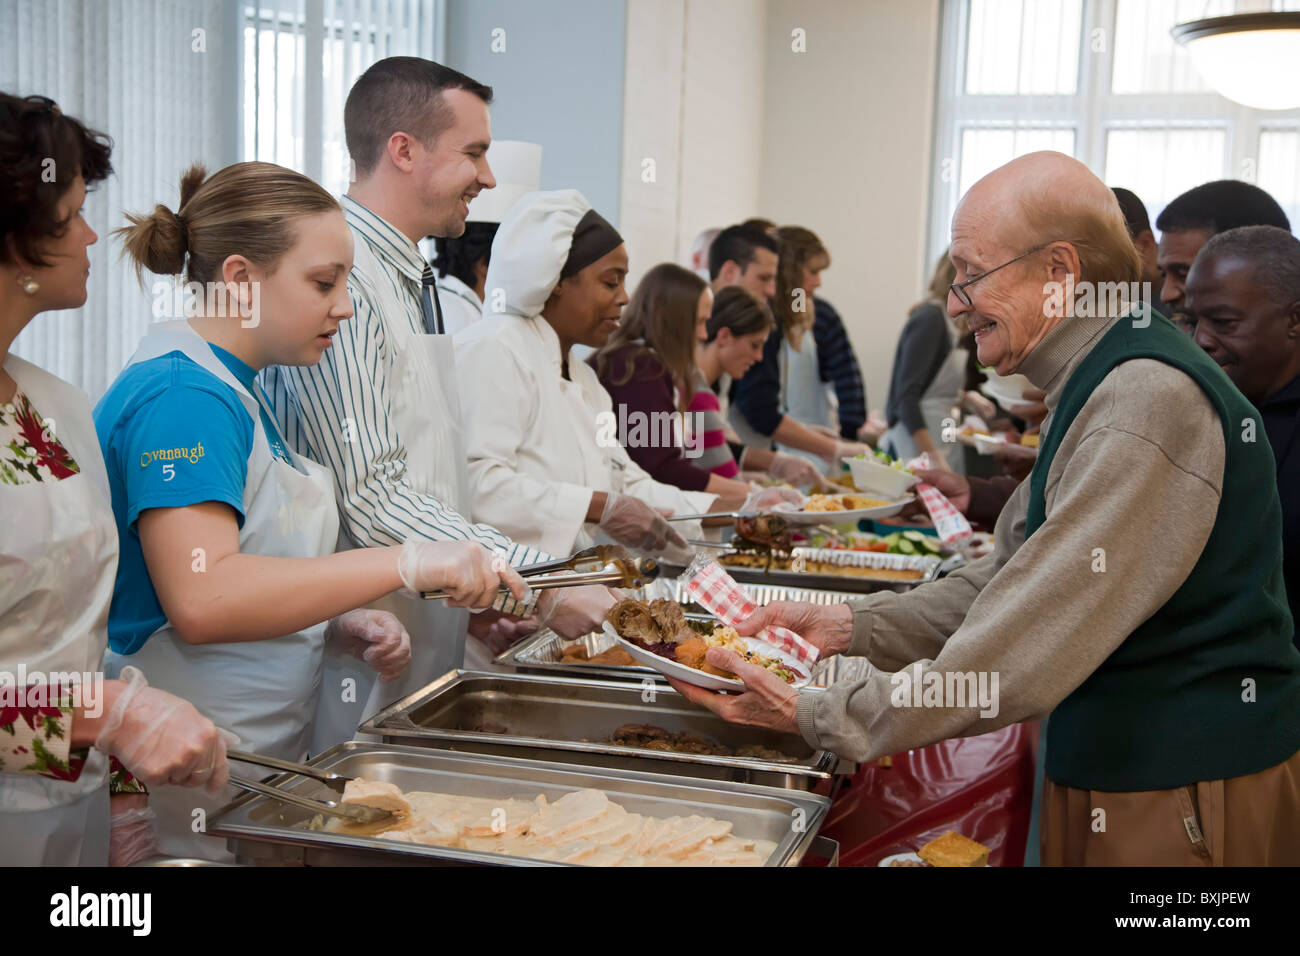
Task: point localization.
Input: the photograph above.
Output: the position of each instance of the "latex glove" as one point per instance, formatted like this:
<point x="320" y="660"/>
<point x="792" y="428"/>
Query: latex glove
<point x="466" y="570"/>
<point x="767" y="498"/>
<point x="132" y="837"/>
<point x="849" y="449"/>
<point x="163" y="739"/>
<point x="573" y="612"/>
<point x="376" y="637"/>
<point x="632" y="522"/>
<point x="498" y="632"/>
<point x="799" y="472"/>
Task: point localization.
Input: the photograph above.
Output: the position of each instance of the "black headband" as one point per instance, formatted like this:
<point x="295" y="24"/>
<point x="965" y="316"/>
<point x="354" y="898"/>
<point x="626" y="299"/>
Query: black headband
<point x="593" y="238"/>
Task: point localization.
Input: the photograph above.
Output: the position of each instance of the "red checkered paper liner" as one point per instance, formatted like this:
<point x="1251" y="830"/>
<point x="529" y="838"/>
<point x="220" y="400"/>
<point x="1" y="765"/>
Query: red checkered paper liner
<point x="718" y="593"/>
<point x="950" y="523"/>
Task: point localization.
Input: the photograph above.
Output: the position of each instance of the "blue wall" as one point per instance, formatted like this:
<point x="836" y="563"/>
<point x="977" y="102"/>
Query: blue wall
<point x="559" y="83"/>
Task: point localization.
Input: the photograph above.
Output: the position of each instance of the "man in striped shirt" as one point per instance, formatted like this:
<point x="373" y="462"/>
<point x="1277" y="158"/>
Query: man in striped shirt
<point x="380" y="409"/>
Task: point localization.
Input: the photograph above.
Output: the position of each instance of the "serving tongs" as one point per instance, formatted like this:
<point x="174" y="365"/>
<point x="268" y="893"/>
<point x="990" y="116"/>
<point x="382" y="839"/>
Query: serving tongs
<point x="602" y="564"/>
<point x="352" y="812"/>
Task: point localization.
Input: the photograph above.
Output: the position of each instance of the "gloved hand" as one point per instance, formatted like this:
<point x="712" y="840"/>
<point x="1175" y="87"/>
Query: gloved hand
<point x="163" y="739"/>
<point x="797" y="471"/>
<point x="498" y="632"/>
<point x="131" y="837"/>
<point x="632" y="522"/>
<point x="573" y="612"/>
<point x="848" y="449"/>
<point x="768" y="498"/>
<point x="469" y="572"/>
<point x="375" y="637"/>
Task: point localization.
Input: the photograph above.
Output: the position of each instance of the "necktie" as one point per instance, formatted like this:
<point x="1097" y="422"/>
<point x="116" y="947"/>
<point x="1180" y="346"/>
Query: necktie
<point x="429" y="303"/>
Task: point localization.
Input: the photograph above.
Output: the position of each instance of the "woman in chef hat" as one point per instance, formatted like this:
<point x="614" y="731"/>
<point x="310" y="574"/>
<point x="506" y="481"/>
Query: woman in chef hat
<point x="545" y="461"/>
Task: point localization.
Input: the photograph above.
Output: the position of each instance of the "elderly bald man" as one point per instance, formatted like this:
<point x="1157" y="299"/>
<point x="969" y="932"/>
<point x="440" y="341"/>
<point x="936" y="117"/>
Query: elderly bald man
<point x="1135" y="591"/>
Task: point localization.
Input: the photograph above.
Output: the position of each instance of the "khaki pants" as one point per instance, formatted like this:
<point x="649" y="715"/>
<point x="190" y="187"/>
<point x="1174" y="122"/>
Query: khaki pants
<point x="1242" y="821"/>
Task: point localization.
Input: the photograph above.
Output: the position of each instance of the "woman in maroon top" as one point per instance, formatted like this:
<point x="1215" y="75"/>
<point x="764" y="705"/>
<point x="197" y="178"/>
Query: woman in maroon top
<point x="648" y="368"/>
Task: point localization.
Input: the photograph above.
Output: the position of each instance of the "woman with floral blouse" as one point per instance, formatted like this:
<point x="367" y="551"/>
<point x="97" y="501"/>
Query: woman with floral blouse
<point x="63" y="729"/>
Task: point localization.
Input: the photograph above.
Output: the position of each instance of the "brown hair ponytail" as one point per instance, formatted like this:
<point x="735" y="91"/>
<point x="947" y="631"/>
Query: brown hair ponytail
<point x="245" y="209"/>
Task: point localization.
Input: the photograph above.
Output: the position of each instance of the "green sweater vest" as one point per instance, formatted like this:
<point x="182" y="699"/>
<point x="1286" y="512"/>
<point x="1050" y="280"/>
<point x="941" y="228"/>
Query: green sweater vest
<point x="1171" y="705"/>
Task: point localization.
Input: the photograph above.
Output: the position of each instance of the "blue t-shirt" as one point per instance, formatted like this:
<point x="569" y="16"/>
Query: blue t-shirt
<point x="173" y="435"/>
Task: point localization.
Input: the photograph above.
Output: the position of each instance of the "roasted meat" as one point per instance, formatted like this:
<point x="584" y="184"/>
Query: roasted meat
<point x="766" y="532"/>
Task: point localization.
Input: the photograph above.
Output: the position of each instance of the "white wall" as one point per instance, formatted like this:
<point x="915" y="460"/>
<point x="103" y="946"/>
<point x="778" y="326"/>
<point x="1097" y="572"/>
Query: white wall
<point x="558" y="82"/>
<point x="692" y="104"/>
<point x="837" y="139"/>
<point x="846" y="153"/>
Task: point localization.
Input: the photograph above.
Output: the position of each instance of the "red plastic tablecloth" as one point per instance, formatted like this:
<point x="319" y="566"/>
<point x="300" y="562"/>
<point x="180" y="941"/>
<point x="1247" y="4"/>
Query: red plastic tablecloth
<point x="982" y="787"/>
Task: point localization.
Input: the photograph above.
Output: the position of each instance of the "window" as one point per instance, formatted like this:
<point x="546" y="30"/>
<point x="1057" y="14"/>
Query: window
<point x="1104" y="81"/>
<point x="300" y="58"/>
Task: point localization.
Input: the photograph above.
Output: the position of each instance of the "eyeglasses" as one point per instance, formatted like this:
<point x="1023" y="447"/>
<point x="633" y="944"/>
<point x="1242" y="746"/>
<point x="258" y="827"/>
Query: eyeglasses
<point x="959" y="288"/>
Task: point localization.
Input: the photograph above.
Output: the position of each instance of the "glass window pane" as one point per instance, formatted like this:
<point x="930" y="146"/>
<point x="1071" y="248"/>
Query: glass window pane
<point x="984" y="150"/>
<point x="1159" y="164"/>
<point x="1023" y="46"/>
<point x="1279" y="170"/>
<point x="1147" y="60"/>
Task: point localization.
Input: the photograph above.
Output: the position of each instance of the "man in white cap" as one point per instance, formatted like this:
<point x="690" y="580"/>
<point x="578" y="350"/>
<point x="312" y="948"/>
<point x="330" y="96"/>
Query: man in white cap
<point x="462" y="261"/>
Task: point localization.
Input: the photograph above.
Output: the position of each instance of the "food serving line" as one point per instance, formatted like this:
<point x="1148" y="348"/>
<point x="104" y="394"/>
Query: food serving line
<point x="550" y="721"/>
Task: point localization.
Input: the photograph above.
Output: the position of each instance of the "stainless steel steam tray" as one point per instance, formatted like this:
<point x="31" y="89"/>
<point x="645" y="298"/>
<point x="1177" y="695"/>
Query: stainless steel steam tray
<point x="267" y="831"/>
<point x="572" y="720"/>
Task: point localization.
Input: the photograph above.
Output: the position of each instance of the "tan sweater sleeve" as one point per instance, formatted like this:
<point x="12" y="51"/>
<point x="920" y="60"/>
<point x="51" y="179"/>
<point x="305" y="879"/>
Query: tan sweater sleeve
<point x="1131" y="497"/>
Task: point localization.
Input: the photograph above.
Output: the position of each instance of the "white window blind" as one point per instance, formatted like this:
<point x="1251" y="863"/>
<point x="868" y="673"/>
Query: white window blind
<point x="1104" y="81"/>
<point x="299" y="58"/>
<point x="152" y="74"/>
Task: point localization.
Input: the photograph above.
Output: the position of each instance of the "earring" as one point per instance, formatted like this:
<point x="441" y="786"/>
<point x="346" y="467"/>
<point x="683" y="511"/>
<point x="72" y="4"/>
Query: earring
<point x="29" y="285"/>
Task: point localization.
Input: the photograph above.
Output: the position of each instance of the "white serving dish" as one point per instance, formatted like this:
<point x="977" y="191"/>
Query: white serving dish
<point x="871" y="477"/>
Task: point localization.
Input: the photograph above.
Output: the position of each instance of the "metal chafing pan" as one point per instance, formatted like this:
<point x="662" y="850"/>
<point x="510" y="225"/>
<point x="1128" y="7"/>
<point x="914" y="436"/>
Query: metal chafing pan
<point x="844" y="586"/>
<point x="543" y="654"/>
<point x="267" y="831"/>
<point x="571" y="720"/>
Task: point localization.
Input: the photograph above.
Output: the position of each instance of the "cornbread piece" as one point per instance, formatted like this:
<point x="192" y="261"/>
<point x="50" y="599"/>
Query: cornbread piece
<point x="953" y="849"/>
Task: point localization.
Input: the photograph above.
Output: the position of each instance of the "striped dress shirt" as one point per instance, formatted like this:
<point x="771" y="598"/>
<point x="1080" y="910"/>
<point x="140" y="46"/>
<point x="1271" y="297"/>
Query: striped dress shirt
<point x="337" y="411"/>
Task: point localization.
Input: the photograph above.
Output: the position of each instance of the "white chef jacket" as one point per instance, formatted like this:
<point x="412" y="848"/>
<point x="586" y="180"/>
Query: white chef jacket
<point x="538" y="445"/>
<point x="461" y="307"/>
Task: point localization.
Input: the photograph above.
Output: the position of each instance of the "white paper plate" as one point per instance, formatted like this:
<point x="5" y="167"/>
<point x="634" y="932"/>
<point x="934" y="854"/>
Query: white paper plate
<point x="988" y="446"/>
<point x="689" y="675"/>
<point x="837" y="517"/>
<point x="909" y="856"/>
<point x="1003" y="397"/>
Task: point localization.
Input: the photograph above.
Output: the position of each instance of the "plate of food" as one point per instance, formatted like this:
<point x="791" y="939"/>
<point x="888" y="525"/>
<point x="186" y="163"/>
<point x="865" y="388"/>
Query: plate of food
<point x="1006" y="390"/>
<point x="1025" y="447"/>
<point x="837" y="508"/>
<point x="658" y="635"/>
<point x="849" y="539"/>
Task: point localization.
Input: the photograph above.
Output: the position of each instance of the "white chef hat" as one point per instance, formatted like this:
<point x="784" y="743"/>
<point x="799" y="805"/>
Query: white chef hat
<point x="534" y="244"/>
<point x="517" y="167"/>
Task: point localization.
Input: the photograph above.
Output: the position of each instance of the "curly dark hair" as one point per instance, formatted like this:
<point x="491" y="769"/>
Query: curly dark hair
<point x="458" y="256"/>
<point x="41" y="153"/>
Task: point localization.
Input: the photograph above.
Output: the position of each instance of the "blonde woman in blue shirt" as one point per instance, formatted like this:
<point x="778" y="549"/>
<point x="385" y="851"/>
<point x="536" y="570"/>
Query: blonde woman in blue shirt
<point x="229" y="590"/>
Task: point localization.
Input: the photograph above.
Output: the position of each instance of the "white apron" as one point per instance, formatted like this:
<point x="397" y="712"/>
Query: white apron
<point x="807" y="397"/>
<point x="426" y="413"/>
<point x="263" y="691"/>
<point x="936" y="407"/>
<point x="58" y="561"/>
<point x="461" y="308"/>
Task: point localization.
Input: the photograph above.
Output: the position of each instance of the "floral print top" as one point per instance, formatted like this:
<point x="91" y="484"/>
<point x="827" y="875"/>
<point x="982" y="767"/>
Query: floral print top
<point x="29" y="453"/>
<point x="34" y="726"/>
